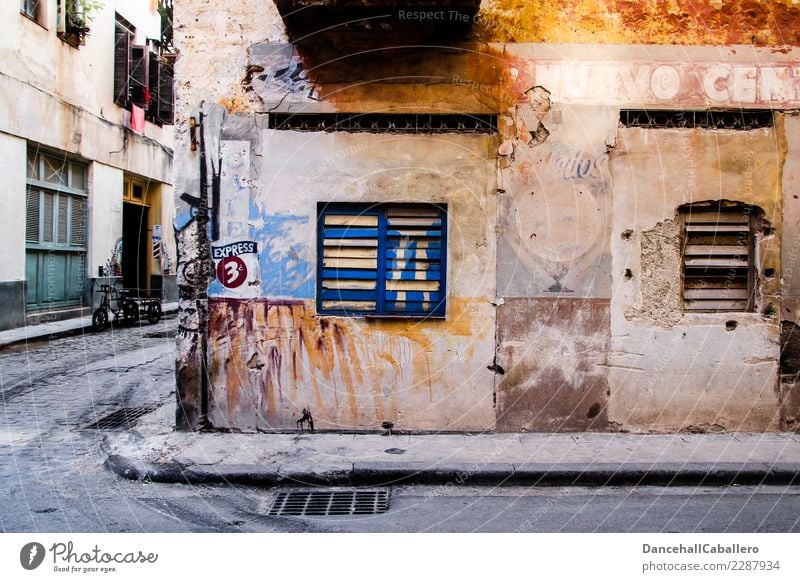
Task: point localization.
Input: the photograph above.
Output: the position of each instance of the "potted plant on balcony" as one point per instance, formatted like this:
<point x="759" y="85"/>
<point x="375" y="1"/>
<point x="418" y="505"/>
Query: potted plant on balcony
<point x="77" y="16"/>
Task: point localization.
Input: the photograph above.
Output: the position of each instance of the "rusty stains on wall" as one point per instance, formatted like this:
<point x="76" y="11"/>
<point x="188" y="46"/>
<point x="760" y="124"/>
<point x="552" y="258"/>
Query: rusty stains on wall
<point x="270" y="359"/>
<point x="712" y="22"/>
<point x="553" y="352"/>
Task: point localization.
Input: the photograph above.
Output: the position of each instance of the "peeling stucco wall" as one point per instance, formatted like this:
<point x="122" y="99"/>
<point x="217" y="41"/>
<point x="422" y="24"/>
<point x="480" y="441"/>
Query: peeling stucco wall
<point x="671" y="371"/>
<point x="660" y="289"/>
<point x="564" y="268"/>
<point x="709" y="22"/>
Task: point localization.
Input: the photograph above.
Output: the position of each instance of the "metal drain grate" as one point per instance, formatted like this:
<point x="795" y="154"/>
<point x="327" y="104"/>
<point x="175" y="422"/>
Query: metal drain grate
<point x="330" y="502"/>
<point x="122" y="418"/>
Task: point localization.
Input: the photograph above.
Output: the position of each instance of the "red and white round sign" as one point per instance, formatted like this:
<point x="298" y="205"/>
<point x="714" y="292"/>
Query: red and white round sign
<point x="231" y="272"/>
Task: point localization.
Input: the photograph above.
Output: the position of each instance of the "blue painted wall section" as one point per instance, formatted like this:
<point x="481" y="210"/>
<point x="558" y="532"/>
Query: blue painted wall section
<point x="285" y="271"/>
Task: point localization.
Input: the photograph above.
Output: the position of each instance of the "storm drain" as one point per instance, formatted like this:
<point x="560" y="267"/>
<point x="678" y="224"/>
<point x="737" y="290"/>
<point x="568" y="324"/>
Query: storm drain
<point x="330" y="502"/>
<point x="122" y="418"/>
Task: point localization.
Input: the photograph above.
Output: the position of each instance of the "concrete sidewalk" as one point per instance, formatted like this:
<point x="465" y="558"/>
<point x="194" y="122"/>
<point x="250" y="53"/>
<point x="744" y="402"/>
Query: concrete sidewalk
<point x="62" y="328"/>
<point x="450" y="459"/>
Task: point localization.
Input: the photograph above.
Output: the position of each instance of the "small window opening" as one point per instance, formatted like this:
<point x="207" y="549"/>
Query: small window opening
<point x="718" y="262"/>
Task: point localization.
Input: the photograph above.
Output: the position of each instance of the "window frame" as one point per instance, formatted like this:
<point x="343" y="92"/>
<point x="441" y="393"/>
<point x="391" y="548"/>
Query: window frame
<point x="122" y="30"/>
<point x="39" y="12"/>
<point x="147" y="80"/>
<point x="753" y="215"/>
<point x="36" y="185"/>
<point x="438" y="308"/>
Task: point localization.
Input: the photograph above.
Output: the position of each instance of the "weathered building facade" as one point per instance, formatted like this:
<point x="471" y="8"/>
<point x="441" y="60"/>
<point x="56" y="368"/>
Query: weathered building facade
<point x="487" y="216"/>
<point x="87" y="192"/>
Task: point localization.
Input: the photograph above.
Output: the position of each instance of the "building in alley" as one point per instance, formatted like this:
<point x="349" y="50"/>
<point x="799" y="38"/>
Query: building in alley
<point x="507" y="215"/>
<point x="85" y="154"/>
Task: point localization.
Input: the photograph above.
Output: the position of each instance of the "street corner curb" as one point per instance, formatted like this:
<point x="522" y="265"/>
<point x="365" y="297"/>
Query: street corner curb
<point x="657" y="474"/>
<point x="127" y="468"/>
<point x="386" y="474"/>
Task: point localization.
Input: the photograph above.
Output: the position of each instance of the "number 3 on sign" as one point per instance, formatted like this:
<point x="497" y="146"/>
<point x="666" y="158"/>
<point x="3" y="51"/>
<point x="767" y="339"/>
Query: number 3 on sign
<point x="231" y="272"/>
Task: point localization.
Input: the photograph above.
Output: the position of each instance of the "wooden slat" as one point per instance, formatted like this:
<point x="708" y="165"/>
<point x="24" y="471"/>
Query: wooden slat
<point x="708" y="263"/>
<point x="330" y="242"/>
<point x="413" y="254"/>
<point x="717" y="217"/>
<point x="714" y="228"/>
<point x="335" y="263"/>
<point x="350" y="252"/>
<point x="408" y="306"/>
<point x="413" y="275"/>
<point x="400" y="222"/>
<point x="435" y="234"/>
<point x="716" y="250"/>
<point x="345" y="233"/>
<point x="347" y="295"/>
<point x="707" y="281"/>
<point x="345" y="220"/>
<point x="717" y="305"/>
<point x="399" y="243"/>
<point x="412" y="285"/>
<point x="342" y="274"/>
<point x="348" y="284"/>
<point x="413" y="265"/>
<point x="418" y="296"/>
<point x="715" y="293"/>
<point x="349" y="305"/>
<point x="412" y="212"/>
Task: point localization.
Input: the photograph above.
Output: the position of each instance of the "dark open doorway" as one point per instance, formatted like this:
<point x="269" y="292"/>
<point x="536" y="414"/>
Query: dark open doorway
<point x="134" y="247"/>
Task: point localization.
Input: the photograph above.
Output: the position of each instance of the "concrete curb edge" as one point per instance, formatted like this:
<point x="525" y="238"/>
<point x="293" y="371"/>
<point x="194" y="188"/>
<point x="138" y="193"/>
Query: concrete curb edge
<point x="382" y="474"/>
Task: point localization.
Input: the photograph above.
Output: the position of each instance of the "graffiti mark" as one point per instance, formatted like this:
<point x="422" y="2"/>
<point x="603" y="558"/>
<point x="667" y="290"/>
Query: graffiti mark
<point x="306" y="418"/>
<point x="186" y="331"/>
<point x="291" y="76"/>
<point x="167" y="264"/>
<point x="574" y="164"/>
<point x="189" y="272"/>
<point x="113" y="266"/>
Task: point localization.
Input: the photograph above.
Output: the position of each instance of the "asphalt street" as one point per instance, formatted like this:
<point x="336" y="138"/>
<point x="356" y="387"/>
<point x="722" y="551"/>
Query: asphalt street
<point x="52" y="477"/>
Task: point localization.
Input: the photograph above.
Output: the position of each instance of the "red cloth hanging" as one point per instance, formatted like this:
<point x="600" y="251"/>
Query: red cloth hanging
<point x="137" y="119"/>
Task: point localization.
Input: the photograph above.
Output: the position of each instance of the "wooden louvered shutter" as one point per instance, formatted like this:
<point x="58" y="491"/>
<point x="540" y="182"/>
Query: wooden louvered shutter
<point x="49" y="217"/>
<point x="717" y="261"/>
<point x="63" y="202"/>
<point x="349" y="278"/>
<point x="122" y="63"/>
<point x="414" y="252"/>
<point x="78" y="222"/>
<point x="32" y="215"/>
<point x="139" y="78"/>
<point x="154" y="83"/>
<point x="166" y="99"/>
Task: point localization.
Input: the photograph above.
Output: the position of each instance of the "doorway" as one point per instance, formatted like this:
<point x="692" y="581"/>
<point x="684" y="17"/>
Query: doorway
<point x="134" y="247"/>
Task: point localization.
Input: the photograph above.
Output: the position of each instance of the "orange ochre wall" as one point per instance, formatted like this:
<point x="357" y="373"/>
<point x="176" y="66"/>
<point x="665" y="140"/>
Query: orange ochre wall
<point x="714" y="22"/>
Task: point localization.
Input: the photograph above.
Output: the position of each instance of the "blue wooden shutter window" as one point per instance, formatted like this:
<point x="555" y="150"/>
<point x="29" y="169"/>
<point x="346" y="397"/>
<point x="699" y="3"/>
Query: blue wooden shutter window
<point x="386" y="259"/>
